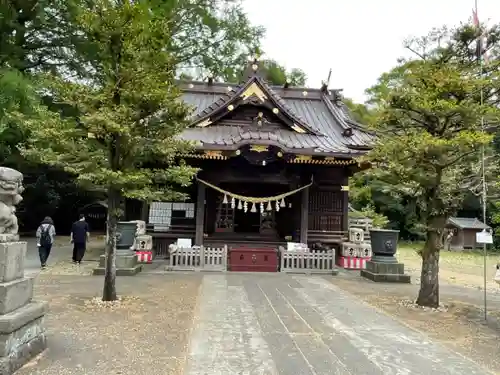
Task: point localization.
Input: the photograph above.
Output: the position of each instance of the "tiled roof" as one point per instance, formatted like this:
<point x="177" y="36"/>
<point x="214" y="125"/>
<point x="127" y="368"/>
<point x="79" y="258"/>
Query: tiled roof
<point x="325" y="120"/>
<point x="467" y="223"/>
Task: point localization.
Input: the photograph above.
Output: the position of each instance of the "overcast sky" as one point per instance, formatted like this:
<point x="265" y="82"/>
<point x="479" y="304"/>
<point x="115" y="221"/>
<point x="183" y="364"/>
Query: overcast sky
<point x="358" y="39"/>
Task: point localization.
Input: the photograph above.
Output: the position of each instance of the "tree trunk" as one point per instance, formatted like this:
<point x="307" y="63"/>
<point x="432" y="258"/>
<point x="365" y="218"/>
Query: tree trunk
<point x="429" y="277"/>
<point x="109" y="291"/>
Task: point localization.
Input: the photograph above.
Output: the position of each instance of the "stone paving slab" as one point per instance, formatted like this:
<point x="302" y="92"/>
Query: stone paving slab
<point x="291" y="325"/>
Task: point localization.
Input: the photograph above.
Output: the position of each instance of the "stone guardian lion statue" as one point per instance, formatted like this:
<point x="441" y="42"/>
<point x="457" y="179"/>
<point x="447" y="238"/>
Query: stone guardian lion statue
<point x="11" y="188"/>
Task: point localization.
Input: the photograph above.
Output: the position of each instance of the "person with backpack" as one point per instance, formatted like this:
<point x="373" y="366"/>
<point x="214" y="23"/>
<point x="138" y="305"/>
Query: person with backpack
<point x="45" y="237"/>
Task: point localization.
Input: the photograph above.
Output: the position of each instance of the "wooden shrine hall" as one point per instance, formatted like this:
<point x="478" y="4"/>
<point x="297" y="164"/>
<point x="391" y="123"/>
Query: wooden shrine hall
<point x="274" y="164"/>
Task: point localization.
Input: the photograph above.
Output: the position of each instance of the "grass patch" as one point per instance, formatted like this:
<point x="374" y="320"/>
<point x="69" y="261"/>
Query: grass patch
<point x="465" y="268"/>
<point x="475" y="257"/>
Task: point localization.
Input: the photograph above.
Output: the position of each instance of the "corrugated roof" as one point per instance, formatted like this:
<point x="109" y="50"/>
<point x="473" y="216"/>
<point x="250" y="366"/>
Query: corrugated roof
<point x="325" y="119"/>
<point x="467" y="223"/>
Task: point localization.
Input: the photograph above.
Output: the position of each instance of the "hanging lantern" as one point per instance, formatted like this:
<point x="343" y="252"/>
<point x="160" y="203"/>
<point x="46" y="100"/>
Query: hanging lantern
<point x="240" y="205"/>
<point x="225" y="199"/>
<point x="277" y="205"/>
<point x="233" y="203"/>
<point x="245" y="206"/>
<point x="269" y="206"/>
<point x="261" y="207"/>
<point x="282" y="204"/>
<point x="253" y="208"/>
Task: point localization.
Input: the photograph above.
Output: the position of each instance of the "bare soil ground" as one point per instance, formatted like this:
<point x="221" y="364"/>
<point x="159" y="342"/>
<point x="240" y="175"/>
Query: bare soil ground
<point x="146" y="333"/>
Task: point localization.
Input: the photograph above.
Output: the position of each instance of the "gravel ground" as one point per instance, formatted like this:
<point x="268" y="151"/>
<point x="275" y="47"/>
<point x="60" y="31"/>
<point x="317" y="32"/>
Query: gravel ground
<point x="145" y="333"/>
<point x="458" y="324"/>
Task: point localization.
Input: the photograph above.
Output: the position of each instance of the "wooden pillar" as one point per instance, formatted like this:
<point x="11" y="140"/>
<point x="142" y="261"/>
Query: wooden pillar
<point x="200" y="215"/>
<point x="345" y="202"/>
<point x="304" y="215"/>
<point x="145" y="211"/>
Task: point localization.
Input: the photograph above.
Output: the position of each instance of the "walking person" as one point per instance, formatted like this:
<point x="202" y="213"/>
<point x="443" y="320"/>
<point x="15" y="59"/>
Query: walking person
<point x="79" y="238"/>
<point x="45" y="239"/>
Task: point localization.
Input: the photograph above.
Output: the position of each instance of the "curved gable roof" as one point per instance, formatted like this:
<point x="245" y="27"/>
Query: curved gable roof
<point x="257" y="88"/>
<point x="318" y="122"/>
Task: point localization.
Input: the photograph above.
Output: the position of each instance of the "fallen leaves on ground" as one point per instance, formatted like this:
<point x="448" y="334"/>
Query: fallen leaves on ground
<point x="68" y="268"/>
<point x="145" y="332"/>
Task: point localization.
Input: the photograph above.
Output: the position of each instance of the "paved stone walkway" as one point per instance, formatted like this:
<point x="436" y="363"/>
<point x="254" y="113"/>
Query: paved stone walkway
<point x="301" y="325"/>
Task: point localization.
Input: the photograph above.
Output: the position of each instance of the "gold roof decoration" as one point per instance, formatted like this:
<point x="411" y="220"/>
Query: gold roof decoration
<point x="298" y="159"/>
<point x="215" y="155"/>
<point x="230" y="107"/>
<point x="298" y="129"/>
<point x="276" y="111"/>
<point x="258" y="148"/>
<point x="254" y="90"/>
<point x="307" y="159"/>
<point x="204" y="123"/>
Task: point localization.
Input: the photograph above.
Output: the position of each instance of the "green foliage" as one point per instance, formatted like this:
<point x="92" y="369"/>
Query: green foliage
<point x="16" y="95"/>
<point x="276" y="74"/>
<point x="428" y="121"/>
<point x="209" y="37"/>
<point x="128" y="116"/>
<point x="429" y="128"/>
<point x="379" y="220"/>
<point x="360" y="112"/>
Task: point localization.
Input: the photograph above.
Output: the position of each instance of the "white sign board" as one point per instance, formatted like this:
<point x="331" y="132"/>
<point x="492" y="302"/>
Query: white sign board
<point x="484" y="237"/>
<point x="295" y="246"/>
<point x="184" y="243"/>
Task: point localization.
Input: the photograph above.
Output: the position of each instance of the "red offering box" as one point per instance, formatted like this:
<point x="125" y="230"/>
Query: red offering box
<point x="248" y="259"/>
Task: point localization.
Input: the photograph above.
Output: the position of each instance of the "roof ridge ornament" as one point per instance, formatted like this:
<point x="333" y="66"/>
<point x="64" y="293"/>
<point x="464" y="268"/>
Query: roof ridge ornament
<point x="252" y="69"/>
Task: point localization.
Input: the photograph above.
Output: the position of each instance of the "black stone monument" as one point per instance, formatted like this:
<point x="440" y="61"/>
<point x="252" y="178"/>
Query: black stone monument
<point x="126" y="259"/>
<point x="384" y="267"/>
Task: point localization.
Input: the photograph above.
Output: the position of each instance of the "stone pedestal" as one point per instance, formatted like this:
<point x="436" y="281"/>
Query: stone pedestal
<point x="126" y="259"/>
<point x="22" y="334"/>
<point x="385" y="272"/>
<point x="384" y="266"/>
<point x="126" y="264"/>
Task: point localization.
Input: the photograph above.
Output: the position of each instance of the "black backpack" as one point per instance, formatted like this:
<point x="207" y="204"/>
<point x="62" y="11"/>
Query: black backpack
<point x="45" y="239"/>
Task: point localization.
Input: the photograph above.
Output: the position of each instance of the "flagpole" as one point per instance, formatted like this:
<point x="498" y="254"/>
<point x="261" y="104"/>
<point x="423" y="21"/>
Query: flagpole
<point x="483" y="168"/>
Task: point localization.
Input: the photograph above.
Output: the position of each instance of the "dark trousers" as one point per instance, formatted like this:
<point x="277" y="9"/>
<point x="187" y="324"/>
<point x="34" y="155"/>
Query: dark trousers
<point x="44" y="252"/>
<point x="78" y="251"/>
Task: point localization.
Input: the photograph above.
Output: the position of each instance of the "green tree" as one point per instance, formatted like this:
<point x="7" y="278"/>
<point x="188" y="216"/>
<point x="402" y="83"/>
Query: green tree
<point x="428" y="122"/>
<point x="209" y="37"/>
<point x="277" y="74"/>
<point x="35" y="36"/>
<point x="360" y="112"/>
<point x="129" y="114"/>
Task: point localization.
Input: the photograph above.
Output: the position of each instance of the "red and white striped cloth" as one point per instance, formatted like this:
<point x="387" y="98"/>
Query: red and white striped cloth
<point x="353" y="263"/>
<point x="144" y="256"/>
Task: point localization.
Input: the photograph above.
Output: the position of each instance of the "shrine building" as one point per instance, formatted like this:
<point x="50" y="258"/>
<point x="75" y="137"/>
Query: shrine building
<point x="274" y="166"/>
